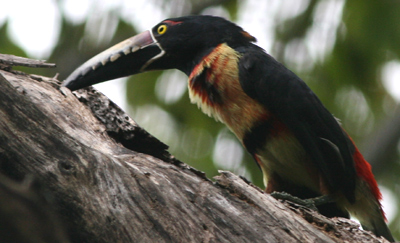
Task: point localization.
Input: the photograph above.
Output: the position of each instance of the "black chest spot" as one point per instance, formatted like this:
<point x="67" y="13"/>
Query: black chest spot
<point x="207" y="90"/>
<point x="256" y="138"/>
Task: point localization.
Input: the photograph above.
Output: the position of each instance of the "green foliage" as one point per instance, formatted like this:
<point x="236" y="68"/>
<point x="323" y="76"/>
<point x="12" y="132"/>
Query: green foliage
<point x="232" y="7"/>
<point x="7" y="46"/>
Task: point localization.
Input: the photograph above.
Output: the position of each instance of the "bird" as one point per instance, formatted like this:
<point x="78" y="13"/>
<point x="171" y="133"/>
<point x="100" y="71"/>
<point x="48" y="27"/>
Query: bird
<point x="300" y="147"/>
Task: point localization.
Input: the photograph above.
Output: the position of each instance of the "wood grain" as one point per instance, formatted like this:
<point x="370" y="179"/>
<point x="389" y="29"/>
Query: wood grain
<point x="111" y="181"/>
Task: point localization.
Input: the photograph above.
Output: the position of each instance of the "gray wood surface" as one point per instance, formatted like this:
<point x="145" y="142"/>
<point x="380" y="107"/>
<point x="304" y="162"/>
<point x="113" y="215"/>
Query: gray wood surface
<point x="111" y="181"/>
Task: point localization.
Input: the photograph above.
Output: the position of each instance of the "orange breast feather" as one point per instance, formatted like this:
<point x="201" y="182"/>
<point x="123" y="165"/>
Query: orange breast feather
<point x="214" y="86"/>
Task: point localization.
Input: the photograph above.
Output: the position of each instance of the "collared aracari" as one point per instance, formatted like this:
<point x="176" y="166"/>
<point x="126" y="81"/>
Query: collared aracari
<point x="298" y="144"/>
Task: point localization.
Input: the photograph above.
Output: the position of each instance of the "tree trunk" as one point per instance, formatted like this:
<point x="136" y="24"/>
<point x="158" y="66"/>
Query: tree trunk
<point x="108" y="180"/>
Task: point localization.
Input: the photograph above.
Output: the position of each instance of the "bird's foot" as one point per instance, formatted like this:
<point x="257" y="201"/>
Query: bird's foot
<point x="310" y="203"/>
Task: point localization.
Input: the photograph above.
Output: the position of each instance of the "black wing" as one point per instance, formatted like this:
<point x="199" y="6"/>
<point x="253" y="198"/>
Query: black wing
<point x="287" y="96"/>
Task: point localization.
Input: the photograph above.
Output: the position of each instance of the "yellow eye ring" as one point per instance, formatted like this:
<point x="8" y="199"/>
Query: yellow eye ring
<point x="162" y="29"/>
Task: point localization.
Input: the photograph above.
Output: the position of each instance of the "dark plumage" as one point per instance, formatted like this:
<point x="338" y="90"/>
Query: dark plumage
<point x="299" y="146"/>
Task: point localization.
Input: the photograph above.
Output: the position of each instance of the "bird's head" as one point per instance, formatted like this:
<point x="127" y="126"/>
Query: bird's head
<point x="174" y="43"/>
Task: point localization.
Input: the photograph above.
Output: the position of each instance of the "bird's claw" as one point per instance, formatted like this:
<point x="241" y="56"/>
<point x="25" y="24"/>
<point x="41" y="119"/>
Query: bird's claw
<point x="310" y="203"/>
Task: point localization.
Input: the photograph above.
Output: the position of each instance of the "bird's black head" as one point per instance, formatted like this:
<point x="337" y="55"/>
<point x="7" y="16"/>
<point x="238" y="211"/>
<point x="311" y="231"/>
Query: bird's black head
<point x="186" y="39"/>
<point x="173" y="43"/>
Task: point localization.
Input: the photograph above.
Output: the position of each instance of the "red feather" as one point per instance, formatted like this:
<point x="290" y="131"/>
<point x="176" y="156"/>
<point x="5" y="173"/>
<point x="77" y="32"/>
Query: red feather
<point x="364" y="171"/>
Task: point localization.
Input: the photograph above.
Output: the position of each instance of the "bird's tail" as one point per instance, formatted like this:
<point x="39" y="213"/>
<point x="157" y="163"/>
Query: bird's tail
<point x="367" y="207"/>
<point x="377" y="225"/>
<point x="369" y="212"/>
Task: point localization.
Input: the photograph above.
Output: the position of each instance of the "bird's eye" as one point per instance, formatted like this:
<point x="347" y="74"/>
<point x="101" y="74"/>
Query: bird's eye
<point x="161" y="29"/>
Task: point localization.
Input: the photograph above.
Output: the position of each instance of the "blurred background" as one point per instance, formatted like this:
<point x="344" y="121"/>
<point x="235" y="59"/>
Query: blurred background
<point x="348" y="52"/>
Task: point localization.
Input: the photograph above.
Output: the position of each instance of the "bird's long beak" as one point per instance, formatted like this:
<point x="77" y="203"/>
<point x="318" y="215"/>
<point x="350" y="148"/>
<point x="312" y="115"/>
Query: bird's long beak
<point x="128" y="57"/>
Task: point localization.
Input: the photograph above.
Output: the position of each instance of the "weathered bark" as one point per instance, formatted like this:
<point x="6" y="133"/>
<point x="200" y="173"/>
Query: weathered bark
<point x="113" y="182"/>
<point x="26" y="215"/>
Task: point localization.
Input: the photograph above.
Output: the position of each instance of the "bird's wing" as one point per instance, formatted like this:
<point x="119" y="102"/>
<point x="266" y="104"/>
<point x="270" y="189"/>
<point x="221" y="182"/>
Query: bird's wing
<point x="287" y="97"/>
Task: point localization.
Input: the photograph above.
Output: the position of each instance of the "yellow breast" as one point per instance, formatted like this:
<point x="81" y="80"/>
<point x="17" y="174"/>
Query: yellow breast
<point x="214" y="86"/>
